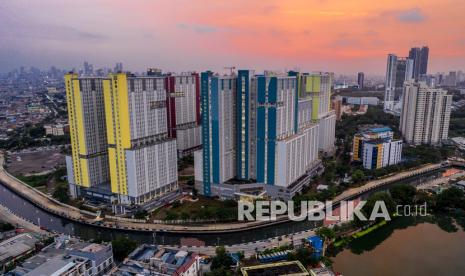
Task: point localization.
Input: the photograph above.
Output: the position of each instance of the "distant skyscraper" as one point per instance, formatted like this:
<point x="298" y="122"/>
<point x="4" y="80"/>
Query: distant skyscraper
<point x="398" y="70"/>
<point x="360" y="80"/>
<point x="450" y="80"/>
<point x="425" y="114"/>
<point x="88" y="69"/>
<point x="420" y="61"/>
<point x="118" y="67"/>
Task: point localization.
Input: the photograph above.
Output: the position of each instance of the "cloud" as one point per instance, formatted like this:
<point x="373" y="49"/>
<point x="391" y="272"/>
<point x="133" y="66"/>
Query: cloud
<point x="200" y="29"/>
<point x="414" y="15"/>
<point x="269" y="9"/>
<point x="344" y="41"/>
<point x="461" y="42"/>
<point x="182" y="26"/>
<point x="13" y="29"/>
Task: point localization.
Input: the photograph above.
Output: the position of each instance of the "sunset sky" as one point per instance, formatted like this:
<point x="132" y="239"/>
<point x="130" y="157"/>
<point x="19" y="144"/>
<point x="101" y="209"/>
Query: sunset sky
<point x="340" y="36"/>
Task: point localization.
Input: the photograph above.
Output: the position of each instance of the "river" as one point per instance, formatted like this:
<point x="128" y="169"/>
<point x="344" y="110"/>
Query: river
<point x="24" y="208"/>
<point x="407" y="246"/>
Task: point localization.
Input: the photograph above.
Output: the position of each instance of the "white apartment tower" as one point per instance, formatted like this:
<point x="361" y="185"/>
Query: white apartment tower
<point x="425" y="114"/>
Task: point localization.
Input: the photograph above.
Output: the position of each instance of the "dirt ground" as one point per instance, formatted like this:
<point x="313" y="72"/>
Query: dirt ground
<point x="34" y="162"/>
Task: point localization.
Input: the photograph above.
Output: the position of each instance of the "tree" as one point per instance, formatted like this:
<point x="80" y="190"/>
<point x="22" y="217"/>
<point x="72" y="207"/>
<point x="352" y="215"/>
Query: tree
<point x="171" y="215"/>
<point x="403" y="194"/>
<point x="122" y="246"/>
<point x="303" y="255"/>
<point x="185" y="216"/>
<point x="141" y="214"/>
<point x="221" y="260"/>
<point x="5" y="226"/>
<point x="451" y="198"/>
<point x="380" y="196"/>
<point x="61" y="193"/>
<point x="327" y="235"/>
<point x="219" y="272"/>
<point x="358" y="176"/>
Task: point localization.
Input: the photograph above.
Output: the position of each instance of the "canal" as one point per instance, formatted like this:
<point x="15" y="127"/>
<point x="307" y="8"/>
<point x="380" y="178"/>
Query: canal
<point x="408" y="246"/>
<point x="25" y="209"/>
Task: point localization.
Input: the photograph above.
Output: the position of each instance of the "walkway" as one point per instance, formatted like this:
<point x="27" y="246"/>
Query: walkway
<point x="355" y="192"/>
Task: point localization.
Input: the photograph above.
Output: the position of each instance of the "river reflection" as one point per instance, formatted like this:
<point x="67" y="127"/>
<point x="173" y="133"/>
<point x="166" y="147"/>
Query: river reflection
<point x="432" y="245"/>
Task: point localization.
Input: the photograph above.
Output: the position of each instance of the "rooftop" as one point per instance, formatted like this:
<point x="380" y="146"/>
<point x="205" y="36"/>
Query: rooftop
<point x="294" y="268"/>
<point x="55" y="266"/>
<point x="16" y="246"/>
<point x="64" y="252"/>
<point x="378" y="140"/>
<point x="380" y="129"/>
<point x="149" y="258"/>
<point x="321" y="271"/>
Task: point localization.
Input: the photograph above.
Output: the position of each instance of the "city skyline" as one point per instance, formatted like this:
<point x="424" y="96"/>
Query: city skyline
<point x="322" y="35"/>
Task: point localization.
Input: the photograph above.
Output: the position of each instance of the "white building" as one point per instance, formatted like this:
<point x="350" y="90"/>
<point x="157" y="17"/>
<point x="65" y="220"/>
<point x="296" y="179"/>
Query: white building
<point x="381" y="153"/>
<point x="425" y="114"/>
<point x="142" y="157"/>
<point x="262" y="132"/>
<point x="148" y="260"/>
<point x="69" y="257"/>
<point x="183" y="104"/>
<point x="56" y="130"/>
<point x="376" y="148"/>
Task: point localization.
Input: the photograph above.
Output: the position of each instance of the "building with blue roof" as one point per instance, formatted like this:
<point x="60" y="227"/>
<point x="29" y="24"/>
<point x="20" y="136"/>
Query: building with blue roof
<point x="376" y="148"/>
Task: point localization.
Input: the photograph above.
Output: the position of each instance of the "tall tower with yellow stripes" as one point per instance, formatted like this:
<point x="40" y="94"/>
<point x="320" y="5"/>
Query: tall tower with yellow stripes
<point x="316" y="87"/>
<point x="88" y="164"/>
<point x="142" y="158"/>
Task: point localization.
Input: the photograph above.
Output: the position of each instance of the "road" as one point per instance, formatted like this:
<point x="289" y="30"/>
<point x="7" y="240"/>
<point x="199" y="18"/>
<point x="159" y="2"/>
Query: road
<point x="251" y="248"/>
<point x="351" y="193"/>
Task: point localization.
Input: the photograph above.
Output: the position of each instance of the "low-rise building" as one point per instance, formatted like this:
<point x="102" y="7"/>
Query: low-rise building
<point x="361" y="100"/>
<point x="15" y="247"/>
<point x="153" y="260"/>
<point x="321" y="271"/>
<point x="67" y="256"/>
<point x="294" y="268"/>
<point x="56" y="130"/>
<point x="459" y="142"/>
<point x="376" y="148"/>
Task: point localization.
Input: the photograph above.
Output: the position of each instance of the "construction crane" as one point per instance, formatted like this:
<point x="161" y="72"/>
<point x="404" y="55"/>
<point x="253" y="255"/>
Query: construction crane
<point x="231" y="69"/>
